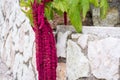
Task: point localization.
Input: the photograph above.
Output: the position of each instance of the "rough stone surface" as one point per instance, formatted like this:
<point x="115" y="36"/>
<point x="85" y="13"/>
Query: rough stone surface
<point x="104" y="58"/>
<point x="102" y="32"/>
<point x="82" y="41"/>
<point x="77" y="63"/>
<point x="63" y="32"/>
<point x="17" y="52"/>
<point x="61" y="43"/>
<point x="4" y="73"/>
<point x="101" y="46"/>
<point x="111" y="19"/>
<point x="75" y="36"/>
<point x="61" y="71"/>
<point x="64" y="28"/>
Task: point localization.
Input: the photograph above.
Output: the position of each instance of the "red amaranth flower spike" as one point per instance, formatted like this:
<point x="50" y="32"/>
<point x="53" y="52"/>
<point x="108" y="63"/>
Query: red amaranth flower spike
<point x="46" y="58"/>
<point x="65" y="18"/>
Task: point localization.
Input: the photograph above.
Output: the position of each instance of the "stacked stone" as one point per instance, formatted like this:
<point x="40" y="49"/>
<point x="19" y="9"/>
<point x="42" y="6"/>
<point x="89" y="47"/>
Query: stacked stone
<point x="91" y="55"/>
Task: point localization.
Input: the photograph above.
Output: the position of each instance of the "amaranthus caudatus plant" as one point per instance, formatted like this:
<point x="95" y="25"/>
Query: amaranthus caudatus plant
<point x="46" y="57"/>
<point x="39" y="12"/>
<point x="76" y="9"/>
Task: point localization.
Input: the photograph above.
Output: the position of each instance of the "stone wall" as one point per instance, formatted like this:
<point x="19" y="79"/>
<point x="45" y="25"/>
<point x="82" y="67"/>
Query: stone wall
<point x="93" y="55"/>
<point x="17" y="53"/>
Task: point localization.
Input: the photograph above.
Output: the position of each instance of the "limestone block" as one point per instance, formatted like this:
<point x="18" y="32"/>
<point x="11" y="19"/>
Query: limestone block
<point x="104" y="58"/>
<point x="102" y="32"/>
<point x="75" y="36"/>
<point x="82" y="41"/>
<point x="77" y="63"/>
<point x="62" y="42"/>
<point x="17" y="48"/>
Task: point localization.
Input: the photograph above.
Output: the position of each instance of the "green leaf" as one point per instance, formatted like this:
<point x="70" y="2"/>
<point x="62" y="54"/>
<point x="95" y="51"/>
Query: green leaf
<point x="75" y="18"/>
<point x="76" y="9"/>
<point x="49" y="13"/>
<point x="60" y="5"/>
<point x="103" y="8"/>
<point x="94" y="2"/>
<point x="85" y="7"/>
<point x="25" y="3"/>
<point x="72" y="2"/>
<point x="39" y="1"/>
<point x="29" y="15"/>
<point x="32" y="1"/>
<point x="59" y="12"/>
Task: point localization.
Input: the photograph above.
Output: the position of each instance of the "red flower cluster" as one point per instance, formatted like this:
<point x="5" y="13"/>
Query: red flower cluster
<point x="46" y="58"/>
<point x="65" y="18"/>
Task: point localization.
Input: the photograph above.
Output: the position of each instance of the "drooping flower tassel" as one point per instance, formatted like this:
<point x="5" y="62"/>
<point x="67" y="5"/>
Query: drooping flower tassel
<point x="46" y="58"/>
<point x="65" y="18"/>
